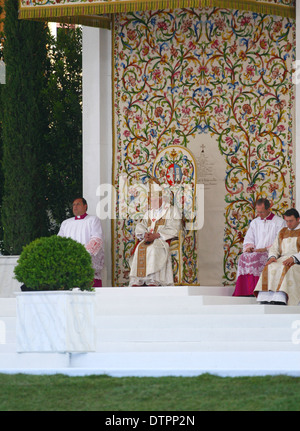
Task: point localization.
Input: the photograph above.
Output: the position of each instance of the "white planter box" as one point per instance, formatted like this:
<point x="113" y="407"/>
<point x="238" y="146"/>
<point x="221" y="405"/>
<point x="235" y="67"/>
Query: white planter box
<point x="56" y="321"/>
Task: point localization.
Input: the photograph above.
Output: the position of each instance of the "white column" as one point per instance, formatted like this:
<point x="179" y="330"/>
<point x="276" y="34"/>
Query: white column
<point x="297" y="112"/>
<point x="97" y="125"/>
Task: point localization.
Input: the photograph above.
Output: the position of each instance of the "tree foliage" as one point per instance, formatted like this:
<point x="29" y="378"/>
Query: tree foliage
<point x="41" y="115"/>
<point x="64" y="140"/>
<point x="1" y="177"/>
<point x="24" y="126"/>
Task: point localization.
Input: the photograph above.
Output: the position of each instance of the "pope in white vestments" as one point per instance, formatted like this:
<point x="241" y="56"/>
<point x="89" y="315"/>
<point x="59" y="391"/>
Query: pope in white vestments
<point x="87" y="230"/>
<point x="151" y="264"/>
<point x="258" y="239"/>
<point x="279" y="282"/>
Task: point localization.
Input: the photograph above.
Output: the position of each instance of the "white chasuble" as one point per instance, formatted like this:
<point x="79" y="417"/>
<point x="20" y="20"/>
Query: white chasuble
<point x="87" y="230"/>
<point x="151" y="263"/>
<point x="277" y="277"/>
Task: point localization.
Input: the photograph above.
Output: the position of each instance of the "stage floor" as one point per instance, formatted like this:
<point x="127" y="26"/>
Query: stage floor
<point x="178" y="331"/>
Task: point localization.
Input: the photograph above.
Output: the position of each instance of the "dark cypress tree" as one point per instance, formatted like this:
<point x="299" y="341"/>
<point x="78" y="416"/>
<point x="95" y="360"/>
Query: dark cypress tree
<point x="24" y="126"/>
<point x="1" y="146"/>
<point x="64" y="140"/>
<point x="2" y="251"/>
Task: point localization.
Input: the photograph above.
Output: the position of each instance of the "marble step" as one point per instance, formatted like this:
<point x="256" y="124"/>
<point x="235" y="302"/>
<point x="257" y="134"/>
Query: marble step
<point x="171" y="305"/>
<point x="187" y="363"/>
<point x="216" y="338"/>
<point x="195" y="335"/>
<point x="187" y="306"/>
<point x="156" y="291"/>
<point x="187" y="324"/>
<point x="24" y="361"/>
<point x="193" y="321"/>
<point x="173" y="347"/>
<point x="201" y="320"/>
<point x="164" y="300"/>
<point x="184" y="328"/>
<point x="204" y="346"/>
<point x="165" y="291"/>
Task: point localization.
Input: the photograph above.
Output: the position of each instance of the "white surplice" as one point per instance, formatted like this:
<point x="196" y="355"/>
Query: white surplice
<point x="87" y="230"/>
<point x="152" y="264"/>
<point x="262" y="232"/>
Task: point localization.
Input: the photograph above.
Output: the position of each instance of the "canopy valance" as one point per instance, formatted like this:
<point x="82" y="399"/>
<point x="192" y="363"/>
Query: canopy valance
<point x="98" y="13"/>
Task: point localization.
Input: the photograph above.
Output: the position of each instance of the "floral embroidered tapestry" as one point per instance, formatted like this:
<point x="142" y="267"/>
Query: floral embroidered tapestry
<point x="219" y="83"/>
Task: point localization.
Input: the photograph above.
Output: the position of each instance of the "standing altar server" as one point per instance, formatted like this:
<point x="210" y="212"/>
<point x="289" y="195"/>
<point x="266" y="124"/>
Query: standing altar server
<point x="87" y="230"/>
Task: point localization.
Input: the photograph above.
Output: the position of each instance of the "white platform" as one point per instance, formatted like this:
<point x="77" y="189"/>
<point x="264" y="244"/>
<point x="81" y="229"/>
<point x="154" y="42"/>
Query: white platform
<point x="179" y="331"/>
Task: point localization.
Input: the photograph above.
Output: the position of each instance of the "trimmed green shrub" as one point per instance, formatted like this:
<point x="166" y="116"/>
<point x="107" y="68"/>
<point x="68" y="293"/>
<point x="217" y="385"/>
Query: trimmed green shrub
<point x="55" y="263"/>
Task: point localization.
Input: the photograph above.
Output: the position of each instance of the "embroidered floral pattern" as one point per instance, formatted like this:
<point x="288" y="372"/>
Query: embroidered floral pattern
<point x="94" y="245"/>
<point x="228" y="73"/>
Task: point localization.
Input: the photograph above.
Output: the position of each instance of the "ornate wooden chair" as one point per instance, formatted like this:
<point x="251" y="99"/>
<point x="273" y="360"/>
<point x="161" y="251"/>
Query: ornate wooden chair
<point x="175" y="169"/>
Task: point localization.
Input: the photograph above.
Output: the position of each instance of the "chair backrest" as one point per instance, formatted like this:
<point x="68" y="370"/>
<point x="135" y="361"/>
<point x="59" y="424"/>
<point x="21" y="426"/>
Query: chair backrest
<point x="175" y="168"/>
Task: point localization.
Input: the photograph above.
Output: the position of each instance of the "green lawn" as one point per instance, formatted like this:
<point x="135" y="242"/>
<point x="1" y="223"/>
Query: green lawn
<point x="103" y="393"/>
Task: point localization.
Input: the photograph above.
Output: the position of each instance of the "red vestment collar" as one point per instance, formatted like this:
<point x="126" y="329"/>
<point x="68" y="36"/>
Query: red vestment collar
<point x="270" y="217"/>
<point x="81" y="217"/>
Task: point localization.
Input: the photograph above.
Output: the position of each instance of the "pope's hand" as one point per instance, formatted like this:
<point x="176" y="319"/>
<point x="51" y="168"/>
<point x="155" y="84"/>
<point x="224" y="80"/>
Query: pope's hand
<point x="271" y="260"/>
<point x="288" y="262"/>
